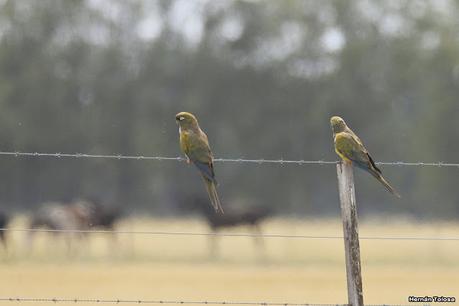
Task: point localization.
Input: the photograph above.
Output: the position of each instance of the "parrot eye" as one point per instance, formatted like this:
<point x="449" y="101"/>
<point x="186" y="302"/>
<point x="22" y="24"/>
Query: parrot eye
<point x="181" y="118"/>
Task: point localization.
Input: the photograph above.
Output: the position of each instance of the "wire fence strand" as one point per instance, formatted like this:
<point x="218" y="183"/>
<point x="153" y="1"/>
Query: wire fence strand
<point x="231" y="160"/>
<point x="167" y="233"/>
<point x="169" y="302"/>
<point x="140" y="301"/>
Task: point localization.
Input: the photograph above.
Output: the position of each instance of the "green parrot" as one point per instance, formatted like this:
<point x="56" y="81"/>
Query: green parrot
<point x="194" y="143"/>
<point x="351" y="150"/>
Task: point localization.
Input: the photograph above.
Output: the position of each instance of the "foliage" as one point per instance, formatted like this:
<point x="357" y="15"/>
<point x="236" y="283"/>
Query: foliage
<point x="263" y="77"/>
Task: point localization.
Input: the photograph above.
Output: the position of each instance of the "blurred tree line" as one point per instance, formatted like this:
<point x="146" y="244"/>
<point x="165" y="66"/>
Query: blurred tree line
<point x="263" y="77"/>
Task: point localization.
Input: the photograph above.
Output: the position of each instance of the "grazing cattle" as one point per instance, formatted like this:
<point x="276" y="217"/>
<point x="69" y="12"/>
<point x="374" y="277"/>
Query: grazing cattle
<point x="63" y="219"/>
<point x="73" y="220"/>
<point x="4" y="219"/>
<point x="56" y="216"/>
<point x="249" y="216"/>
<point x="104" y="217"/>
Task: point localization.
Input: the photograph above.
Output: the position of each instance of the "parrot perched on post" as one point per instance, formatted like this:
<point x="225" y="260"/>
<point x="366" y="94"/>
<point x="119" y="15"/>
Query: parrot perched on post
<point x="351" y="150"/>
<point x="195" y="145"/>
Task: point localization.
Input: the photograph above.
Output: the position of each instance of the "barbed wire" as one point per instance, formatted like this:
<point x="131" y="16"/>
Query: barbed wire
<point x="233" y="160"/>
<point x="175" y="302"/>
<point x="166" y="233"/>
<point x="139" y="301"/>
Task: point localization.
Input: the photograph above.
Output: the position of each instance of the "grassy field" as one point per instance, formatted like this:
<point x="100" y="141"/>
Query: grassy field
<point x="284" y="270"/>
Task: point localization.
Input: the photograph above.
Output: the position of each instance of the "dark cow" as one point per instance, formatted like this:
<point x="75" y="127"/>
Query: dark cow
<point x="251" y="216"/>
<point x="4" y="220"/>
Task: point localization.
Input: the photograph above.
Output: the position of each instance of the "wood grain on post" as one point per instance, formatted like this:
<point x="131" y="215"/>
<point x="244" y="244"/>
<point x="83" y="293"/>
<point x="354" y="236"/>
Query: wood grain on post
<point x="351" y="233"/>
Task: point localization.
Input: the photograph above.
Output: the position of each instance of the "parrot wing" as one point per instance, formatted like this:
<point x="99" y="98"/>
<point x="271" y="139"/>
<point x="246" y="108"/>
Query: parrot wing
<point x="206" y="169"/>
<point x="198" y="151"/>
<point x="352" y="148"/>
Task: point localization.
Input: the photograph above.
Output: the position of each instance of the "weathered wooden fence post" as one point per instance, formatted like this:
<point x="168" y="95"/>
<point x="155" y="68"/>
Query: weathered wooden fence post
<point x="351" y="233"/>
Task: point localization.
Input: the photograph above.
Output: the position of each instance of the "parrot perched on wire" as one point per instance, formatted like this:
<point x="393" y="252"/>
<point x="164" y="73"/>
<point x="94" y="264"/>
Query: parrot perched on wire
<point x="194" y="143"/>
<point x="351" y="150"/>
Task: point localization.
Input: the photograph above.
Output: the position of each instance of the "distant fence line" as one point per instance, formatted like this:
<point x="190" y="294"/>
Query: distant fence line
<point x="231" y="160"/>
<point x="164" y="233"/>
<point x="175" y="302"/>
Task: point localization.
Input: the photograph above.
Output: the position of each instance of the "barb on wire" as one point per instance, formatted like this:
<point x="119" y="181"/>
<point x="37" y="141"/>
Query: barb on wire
<point x="231" y="160"/>
<point x="175" y="302"/>
<point x="165" y="233"/>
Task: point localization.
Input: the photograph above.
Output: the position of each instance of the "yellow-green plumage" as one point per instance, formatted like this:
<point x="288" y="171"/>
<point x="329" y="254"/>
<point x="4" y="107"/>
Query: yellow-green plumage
<point x="351" y="150"/>
<point x="195" y="145"/>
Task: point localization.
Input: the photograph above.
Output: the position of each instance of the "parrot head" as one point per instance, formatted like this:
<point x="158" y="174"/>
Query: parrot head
<point x="186" y="120"/>
<point x="337" y="124"/>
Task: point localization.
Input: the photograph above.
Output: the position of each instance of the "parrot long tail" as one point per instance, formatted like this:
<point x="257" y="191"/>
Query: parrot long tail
<point x="383" y="181"/>
<point x="213" y="195"/>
